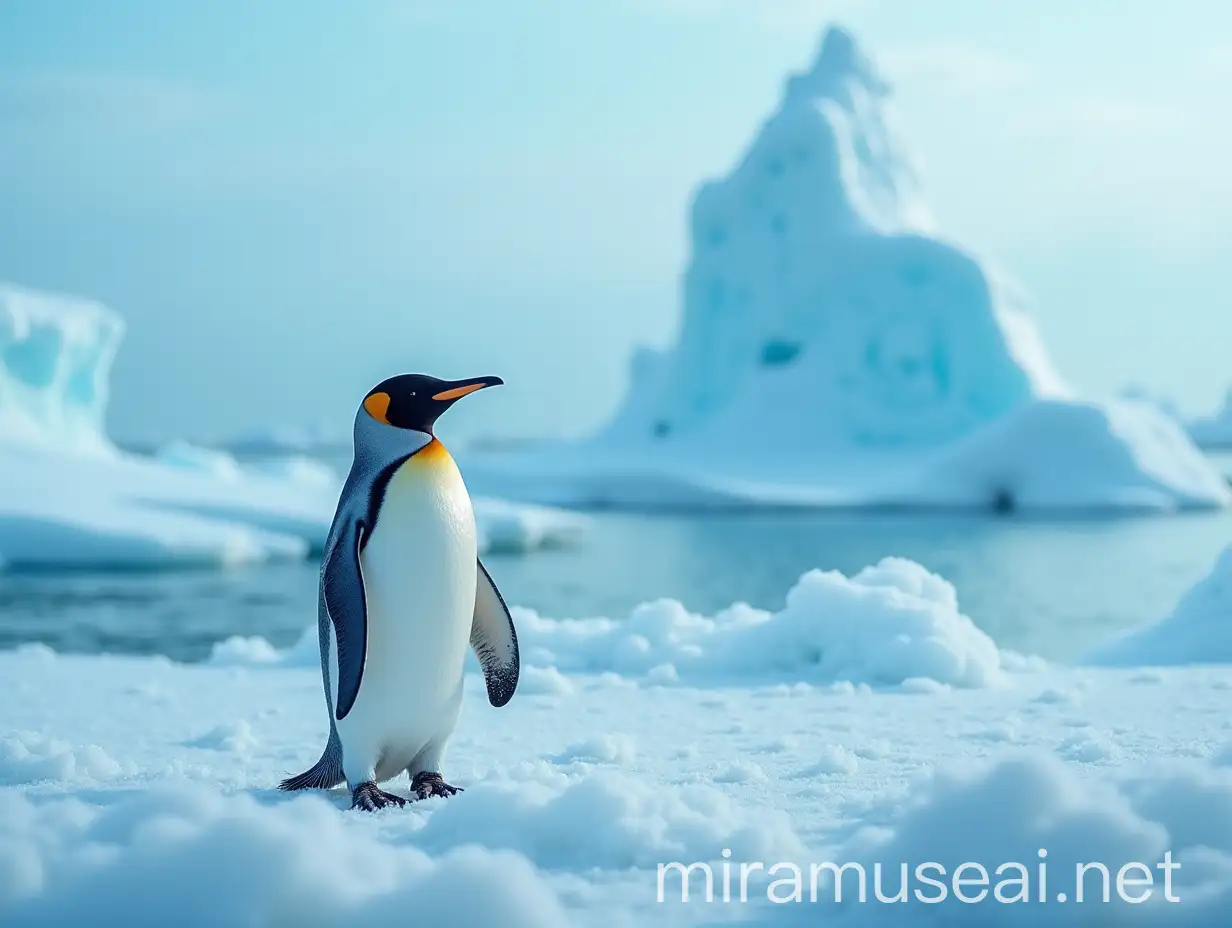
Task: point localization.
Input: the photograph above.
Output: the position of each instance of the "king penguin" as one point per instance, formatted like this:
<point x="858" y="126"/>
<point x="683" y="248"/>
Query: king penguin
<point x="402" y="596"/>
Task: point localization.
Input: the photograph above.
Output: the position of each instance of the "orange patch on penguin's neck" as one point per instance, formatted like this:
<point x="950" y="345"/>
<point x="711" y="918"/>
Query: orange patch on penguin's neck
<point x="431" y="453"/>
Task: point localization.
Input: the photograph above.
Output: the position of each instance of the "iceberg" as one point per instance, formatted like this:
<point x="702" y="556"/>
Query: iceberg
<point x="1215" y="431"/>
<point x="835" y="350"/>
<point x="69" y="497"/>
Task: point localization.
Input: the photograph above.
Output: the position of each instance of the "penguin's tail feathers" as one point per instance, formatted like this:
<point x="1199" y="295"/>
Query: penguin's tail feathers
<point x="324" y="774"/>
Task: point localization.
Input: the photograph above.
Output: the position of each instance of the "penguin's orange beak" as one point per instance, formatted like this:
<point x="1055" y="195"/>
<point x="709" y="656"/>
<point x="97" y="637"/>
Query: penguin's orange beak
<point x="461" y="388"/>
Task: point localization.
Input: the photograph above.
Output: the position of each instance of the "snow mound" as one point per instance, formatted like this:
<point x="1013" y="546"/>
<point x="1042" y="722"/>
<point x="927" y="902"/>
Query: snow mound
<point x="1028" y="814"/>
<point x="1214" y="431"/>
<point x="1199" y="630"/>
<point x="544" y="681"/>
<point x="610" y="821"/>
<point x="889" y="623"/>
<point x="29" y="757"/>
<point x="601" y="749"/>
<point x="833" y="349"/>
<point x="242" y="651"/>
<point x="255" y="651"/>
<point x="70" y="498"/>
<point x="235" y="737"/>
<point x="188" y="856"/>
<point x="835" y="759"/>
<point x="55" y="364"/>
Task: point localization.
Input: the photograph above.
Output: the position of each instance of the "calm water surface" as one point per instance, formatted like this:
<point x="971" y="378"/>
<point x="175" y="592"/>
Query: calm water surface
<point x="1044" y="587"/>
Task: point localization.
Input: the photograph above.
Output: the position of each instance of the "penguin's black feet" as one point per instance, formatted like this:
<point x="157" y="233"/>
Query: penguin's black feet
<point x="428" y="785"/>
<point x="368" y="797"/>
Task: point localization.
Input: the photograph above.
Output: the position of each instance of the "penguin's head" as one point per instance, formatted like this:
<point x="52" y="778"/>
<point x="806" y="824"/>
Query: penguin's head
<point x="416" y="401"/>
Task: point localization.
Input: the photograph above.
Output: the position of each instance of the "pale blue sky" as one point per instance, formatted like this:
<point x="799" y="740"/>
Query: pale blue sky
<point x="289" y="200"/>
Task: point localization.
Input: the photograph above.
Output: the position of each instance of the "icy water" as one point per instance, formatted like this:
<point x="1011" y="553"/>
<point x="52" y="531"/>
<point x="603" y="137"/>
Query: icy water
<point x="1043" y="587"/>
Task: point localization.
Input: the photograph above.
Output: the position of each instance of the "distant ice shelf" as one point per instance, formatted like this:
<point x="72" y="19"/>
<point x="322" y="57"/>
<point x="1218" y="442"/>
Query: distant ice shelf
<point x="200" y="509"/>
<point x="835" y="350"/>
<point x="70" y="498"/>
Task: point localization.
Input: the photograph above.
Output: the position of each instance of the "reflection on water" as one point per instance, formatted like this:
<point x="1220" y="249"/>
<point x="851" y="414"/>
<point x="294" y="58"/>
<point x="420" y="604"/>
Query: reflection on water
<point x="1043" y="587"/>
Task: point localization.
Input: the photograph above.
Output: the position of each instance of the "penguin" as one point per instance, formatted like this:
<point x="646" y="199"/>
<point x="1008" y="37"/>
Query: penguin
<point x="402" y="596"/>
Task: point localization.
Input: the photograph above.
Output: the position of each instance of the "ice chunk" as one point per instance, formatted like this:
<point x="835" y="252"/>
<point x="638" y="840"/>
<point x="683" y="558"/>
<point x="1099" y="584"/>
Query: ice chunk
<point x="889" y="623"/>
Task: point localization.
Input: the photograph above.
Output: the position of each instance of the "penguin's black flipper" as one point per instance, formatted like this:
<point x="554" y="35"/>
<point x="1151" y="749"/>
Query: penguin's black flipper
<point x="494" y="640"/>
<point x="342" y="587"/>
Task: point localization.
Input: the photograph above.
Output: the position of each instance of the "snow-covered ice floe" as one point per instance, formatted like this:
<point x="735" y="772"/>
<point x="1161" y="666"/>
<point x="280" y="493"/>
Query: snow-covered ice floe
<point x="835" y="349"/>
<point x="69" y="497"/>
<point x="869" y="725"/>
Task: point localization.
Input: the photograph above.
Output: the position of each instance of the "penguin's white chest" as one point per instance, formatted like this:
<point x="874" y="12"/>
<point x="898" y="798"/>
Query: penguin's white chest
<point x="419" y="574"/>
